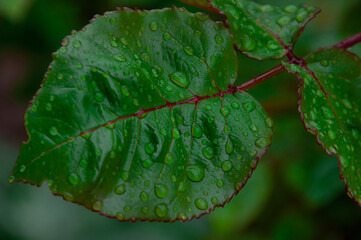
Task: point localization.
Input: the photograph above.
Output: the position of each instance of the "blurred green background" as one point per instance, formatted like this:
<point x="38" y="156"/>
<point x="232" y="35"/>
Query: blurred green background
<point x="295" y="193"/>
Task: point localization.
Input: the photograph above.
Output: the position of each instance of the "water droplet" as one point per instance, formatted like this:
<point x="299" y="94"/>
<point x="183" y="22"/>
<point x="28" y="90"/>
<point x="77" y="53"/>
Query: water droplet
<point x="201" y="204"/>
<point x="74" y="178"/>
<point x="144" y="196"/>
<point x="120" y="58"/>
<point x="347" y="103"/>
<point x="197" y="131"/>
<point x="195" y="173"/>
<point x="179" y="79"/>
<point x="166" y="36"/>
<point x="262" y="142"/>
<point x="176" y="134"/>
<point x="225" y="111"/>
<point x="249" y="106"/>
<point x="120" y="189"/>
<point x="269" y="122"/>
<point x="283" y="20"/>
<point x="169" y="159"/>
<point x="208" y="152"/>
<point x="124" y="41"/>
<point x="202" y="16"/>
<point x="209" y="107"/>
<point x="343" y="161"/>
<point x="325" y="63"/>
<point x="22" y="168"/>
<point x="273" y="45"/>
<point x="253" y="128"/>
<point x="290" y="9"/>
<point x="77" y="44"/>
<point x="147" y="163"/>
<point x="219" y="39"/>
<point x="229" y="147"/>
<point x="53" y="131"/>
<point x="161" y="210"/>
<point x="248" y="44"/>
<point x="188" y="50"/>
<point x="327" y="112"/>
<point x="149" y="148"/>
<point x="114" y="44"/>
<point x="154" y="26"/>
<point x="301" y="15"/>
<point x="120" y="216"/>
<point x="161" y="190"/>
<point x="98" y="205"/>
<point x="11" y="179"/>
<point x="227" y="166"/>
<point x="127" y="209"/>
<point x="99" y="97"/>
<point x="235" y="105"/>
<point x="60" y="76"/>
<point x="331" y="134"/>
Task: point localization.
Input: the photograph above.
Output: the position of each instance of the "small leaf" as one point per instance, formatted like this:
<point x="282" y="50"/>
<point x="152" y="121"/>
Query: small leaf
<point x="330" y="106"/>
<point x="263" y="31"/>
<point x="137" y="118"/>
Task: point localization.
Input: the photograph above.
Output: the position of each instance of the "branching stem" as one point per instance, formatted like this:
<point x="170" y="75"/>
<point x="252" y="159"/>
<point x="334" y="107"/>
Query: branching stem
<point x="345" y="44"/>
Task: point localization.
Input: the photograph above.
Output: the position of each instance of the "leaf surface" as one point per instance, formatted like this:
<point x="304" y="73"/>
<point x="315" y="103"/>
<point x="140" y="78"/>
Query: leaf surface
<point x="330" y="100"/>
<point x="264" y="31"/>
<point x="137" y="118"/>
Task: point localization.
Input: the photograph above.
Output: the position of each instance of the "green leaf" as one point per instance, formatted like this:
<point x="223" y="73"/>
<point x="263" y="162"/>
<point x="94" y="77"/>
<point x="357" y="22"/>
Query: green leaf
<point x="330" y="102"/>
<point x="137" y="118"/>
<point x="263" y="31"/>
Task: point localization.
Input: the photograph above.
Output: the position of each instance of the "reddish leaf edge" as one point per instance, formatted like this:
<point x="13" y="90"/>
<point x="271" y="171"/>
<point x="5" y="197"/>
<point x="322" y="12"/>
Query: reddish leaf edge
<point x="231" y="90"/>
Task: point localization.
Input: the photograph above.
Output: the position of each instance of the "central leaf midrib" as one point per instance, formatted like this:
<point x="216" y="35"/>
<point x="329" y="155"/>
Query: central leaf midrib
<point x="195" y="100"/>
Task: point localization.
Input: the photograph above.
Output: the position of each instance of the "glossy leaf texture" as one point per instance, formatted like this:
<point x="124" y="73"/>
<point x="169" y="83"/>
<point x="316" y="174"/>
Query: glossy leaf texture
<point x="330" y="106"/>
<point x="137" y="118"/>
<point x="264" y="31"/>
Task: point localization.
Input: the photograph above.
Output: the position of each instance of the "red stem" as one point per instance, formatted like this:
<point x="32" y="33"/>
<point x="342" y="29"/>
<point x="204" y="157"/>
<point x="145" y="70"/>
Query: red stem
<point x="261" y="78"/>
<point x="345" y="44"/>
<point x="349" y="42"/>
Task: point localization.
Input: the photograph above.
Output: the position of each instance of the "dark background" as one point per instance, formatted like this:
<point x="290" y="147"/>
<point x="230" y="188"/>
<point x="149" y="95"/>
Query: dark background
<point x="295" y="193"/>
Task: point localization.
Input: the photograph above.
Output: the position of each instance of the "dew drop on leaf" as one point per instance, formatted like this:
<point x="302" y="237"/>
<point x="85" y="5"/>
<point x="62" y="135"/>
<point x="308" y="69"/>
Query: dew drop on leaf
<point x="227" y="166"/>
<point x="262" y="142"/>
<point x="197" y="131"/>
<point x="195" y="173"/>
<point x="201" y="204"/>
<point x="208" y="152"/>
<point x="154" y="26"/>
<point x="147" y="163"/>
<point x="53" y="131"/>
<point x="98" y="205"/>
<point x="74" y="178"/>
<point x="144" y="196"/>
<point x="179" y="79"/>
<point x="161" y="190"/>
<point x="161" y="210"/>
<point x="149" y="148"/>
<point x="120" y="189"/>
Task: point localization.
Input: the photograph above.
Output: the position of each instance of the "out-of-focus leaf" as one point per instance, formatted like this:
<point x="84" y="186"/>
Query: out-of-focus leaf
<point x="137" y="118"/>
<point x="246" y="206"/>
<point x="330" y="100"/>
<point x="14" y="10"/>
<point x="323" y="183"/>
